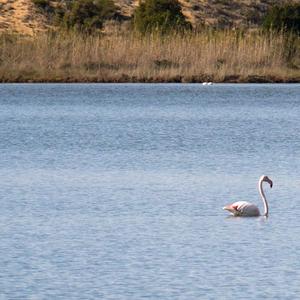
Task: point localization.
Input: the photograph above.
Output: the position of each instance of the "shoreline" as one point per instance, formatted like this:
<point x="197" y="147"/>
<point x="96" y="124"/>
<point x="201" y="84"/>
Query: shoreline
<point x="177" y="79"/>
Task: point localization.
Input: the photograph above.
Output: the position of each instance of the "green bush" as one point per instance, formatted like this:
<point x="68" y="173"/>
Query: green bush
<point x="88" y="15"/>
<point x="41" y="3"/>
<point x="285" y="17"/>
<point x="159" y="15"/>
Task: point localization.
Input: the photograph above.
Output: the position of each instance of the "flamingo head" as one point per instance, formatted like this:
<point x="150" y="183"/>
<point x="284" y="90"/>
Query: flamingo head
<point x="267" y="179"/>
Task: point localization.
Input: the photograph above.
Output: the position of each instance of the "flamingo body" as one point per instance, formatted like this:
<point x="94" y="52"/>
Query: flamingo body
<point x="243" y="209"/>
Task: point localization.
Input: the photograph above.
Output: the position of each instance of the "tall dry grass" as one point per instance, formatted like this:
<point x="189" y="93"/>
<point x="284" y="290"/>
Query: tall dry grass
<point x="192" y="57"/>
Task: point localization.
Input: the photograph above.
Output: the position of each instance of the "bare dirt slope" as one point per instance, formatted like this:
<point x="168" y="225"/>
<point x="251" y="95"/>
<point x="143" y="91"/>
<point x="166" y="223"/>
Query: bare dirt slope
<point x="228" y="13"/>
<point x="20" y="16"/>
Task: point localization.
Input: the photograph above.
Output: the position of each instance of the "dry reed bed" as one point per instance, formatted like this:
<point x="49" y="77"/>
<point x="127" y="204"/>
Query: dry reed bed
<point x="223" y="56"/>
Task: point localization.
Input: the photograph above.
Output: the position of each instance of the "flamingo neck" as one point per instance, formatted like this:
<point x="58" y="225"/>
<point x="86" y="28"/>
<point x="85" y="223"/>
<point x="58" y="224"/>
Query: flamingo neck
<point x="263" y="197"/>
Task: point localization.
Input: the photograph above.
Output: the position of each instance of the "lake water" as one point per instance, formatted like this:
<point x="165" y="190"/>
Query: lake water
<point x="116" y="191"/>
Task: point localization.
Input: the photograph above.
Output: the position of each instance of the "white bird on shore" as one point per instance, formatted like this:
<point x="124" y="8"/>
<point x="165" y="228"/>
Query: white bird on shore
<point x="207" y="83"/>
<point x="246" y="209"/>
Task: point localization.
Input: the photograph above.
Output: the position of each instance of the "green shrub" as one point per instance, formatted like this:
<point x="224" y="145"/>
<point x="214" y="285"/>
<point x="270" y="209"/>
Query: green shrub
<point x="159" y="15"/>
<point x="41" y="3"/>
<point x="88" y="15"/>
<point x="286" y="17"/>
<point x="58" y="16"/>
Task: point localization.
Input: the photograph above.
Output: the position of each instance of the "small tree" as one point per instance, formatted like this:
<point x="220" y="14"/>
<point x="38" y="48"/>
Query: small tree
<point x="88" y="15"/>
<point x="285" y="17"/>
<point x="159" y="15"/>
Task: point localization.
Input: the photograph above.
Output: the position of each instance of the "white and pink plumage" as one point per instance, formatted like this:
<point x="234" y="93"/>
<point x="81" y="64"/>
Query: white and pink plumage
<point x="246" y="209"/>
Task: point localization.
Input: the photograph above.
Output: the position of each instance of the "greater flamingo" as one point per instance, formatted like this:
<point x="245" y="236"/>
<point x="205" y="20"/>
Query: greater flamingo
<point x="246" y="209"/>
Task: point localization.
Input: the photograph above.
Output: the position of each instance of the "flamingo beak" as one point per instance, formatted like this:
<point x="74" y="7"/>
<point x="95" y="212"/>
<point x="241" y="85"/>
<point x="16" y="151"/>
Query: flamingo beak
<point x="268" y="180"/>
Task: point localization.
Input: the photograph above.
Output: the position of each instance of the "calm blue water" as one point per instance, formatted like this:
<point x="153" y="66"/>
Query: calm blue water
<point x="116" y="191"/>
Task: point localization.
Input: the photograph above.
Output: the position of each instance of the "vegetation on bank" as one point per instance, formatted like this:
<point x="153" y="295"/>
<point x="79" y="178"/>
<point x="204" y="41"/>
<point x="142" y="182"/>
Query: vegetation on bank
<point x="81" y="15"/>
<point x="88" y="15"/>
<point x="219" y="56"/>
<point x="150" y="15"/>
<point x="159" y="15"/>
<point x="285" y="17"/>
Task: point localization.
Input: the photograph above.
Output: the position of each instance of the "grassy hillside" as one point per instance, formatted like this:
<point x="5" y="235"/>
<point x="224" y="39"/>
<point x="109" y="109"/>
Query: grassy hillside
<point x="222" y="56"/>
